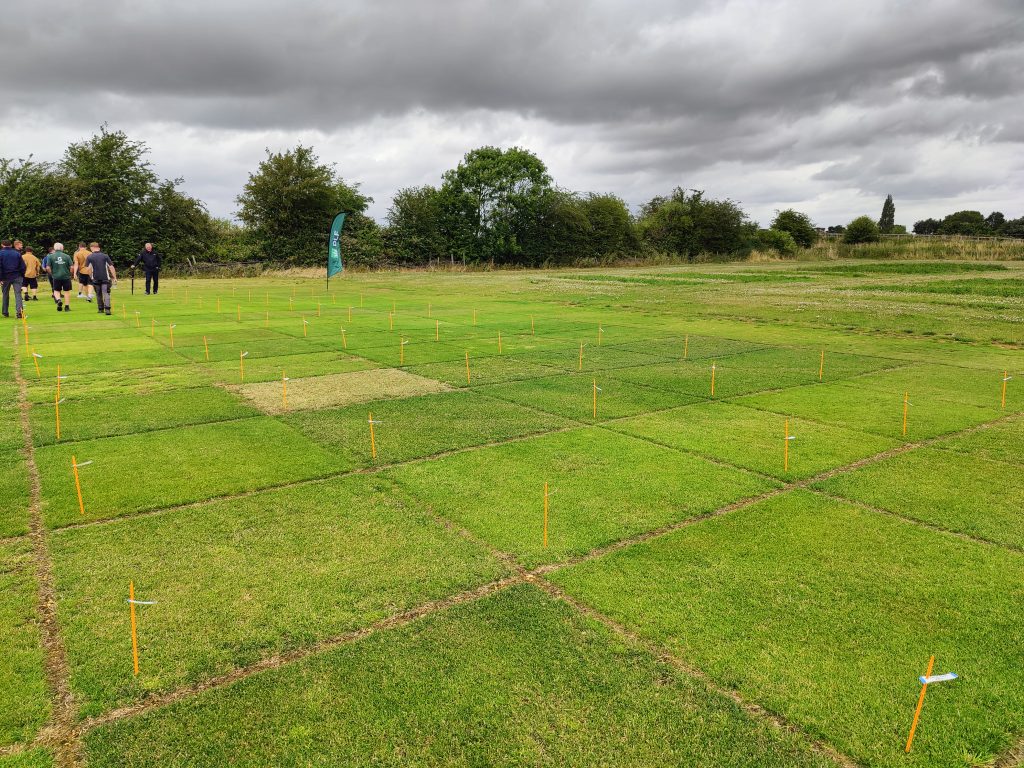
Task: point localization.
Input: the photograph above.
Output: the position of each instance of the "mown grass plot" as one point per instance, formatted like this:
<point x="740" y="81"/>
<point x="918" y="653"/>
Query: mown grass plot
<point x="25" y="702"/>
<point x="827" y="614"/>
<point x="415" y="427"/>
<point x="756" y="440"/>
<point x="242" y="579"/>
<point x="604" y="487"/>
<point x="174" y="466"/>
<point x="514" y="679"/>
<point x="956" y="491"/>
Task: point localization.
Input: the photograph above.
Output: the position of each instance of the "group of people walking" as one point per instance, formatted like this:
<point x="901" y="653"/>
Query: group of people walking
<point x="93" y="269"/>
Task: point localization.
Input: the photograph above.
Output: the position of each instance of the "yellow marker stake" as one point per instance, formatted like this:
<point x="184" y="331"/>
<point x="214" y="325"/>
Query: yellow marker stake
<point x="595" y="398"/>
<point x="58" y="381"/>
<point x="533" y="331"/>
<point x="171" y="329"/>
<point x="284" y="391"/>
<point x="1006" y="378"/>
<point x="920" y="703"/>
<point x="437" y="330"/>
<point x="499" y="342"/>
<point x="241" y="366"/>
<point x="600" y="332"/>
<point x="218" y="303"/>
<point x="545" y="515"/>
<point x="135" y="635"/>
<point x="686" y="347"/>
<point x="401" y="352"/>
<point x="124" y="311"/>
<point x="304" y="324"/>
<point x="350" y="314"/>
<point x="138" y="321"/>
<point x="35" y="359"/>
<point x="714" y="367"/>
<point x="56" y="406"/>
<point x="580" y="366"/>
<point x="318" y="309"/>
<point x="373" y="440"/>
<point x="906" y="402"/>
<point x="821" y="365"/>
<point x="467" y="367"/>
<point x="428" y="310"/>
<point x="207" y="348"/>
<point x="344" y="341"/>
<point x="78" y="485"/>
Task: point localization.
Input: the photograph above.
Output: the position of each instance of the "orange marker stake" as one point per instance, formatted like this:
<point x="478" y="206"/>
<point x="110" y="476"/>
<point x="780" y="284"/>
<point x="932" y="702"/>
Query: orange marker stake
<point x="171" y="329"/>
<point x="135" y="634"/>
<point x="920" y="703"/>
<point x="344" y="341"/>
<point x="1006" y="378"/>
<point x="284" y="391"/>
<point x="821" y="365"/>
<point x="499" y="342"/>
<point x="401" y="353"/>
<point x="58" y="381"/>
<point x="207" y="348"/>
<point x="78" y="485"/>
<point x="241" y="366"/>
<point x="350" y="314"/>
<point x="785" y="450"/>
<point x="218" y="303"/>
<point x="906" y="403"/>
<point x="580" y="366"/>
<point x="714" y="367"/>
<point x="545" y="515"/>
<point x="138" y="322"/>
<point x="373" y="439"/>
<point x="467" y="367"/>
<point x="35" y="359"/>
<point x="437" y="330"/>
<point x="56" y="407"/>
<point x="305" y="323"/>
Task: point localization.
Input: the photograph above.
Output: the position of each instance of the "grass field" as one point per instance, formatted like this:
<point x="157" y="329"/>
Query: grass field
<point x="706" y="516"/>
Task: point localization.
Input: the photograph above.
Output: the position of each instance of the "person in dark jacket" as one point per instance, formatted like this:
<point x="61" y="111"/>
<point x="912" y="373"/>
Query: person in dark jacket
<point x="103" y="276"/>
<point x="12" y="274"/>
<point x="150" y="260"/>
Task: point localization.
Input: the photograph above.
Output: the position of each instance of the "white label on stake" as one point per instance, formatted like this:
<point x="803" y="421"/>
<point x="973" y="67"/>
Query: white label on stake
<point x="84" y="463"/>
<point x="245" y="354"/>
<point x="141" y="602"/>
<point x="937" y="678"/>
<point x="36" y="354"/>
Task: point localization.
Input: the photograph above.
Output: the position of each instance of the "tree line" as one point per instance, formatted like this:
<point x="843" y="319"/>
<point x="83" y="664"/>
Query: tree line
<point x="497" y="206"/>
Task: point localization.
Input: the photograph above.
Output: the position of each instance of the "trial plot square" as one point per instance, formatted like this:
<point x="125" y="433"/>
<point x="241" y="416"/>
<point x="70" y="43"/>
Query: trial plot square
<point x="827" y="614"/>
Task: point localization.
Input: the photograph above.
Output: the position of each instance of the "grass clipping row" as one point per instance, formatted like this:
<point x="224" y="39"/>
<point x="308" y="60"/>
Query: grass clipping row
<point x="338" y="389"/>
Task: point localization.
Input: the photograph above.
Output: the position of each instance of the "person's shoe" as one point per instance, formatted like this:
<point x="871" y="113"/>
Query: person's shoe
<point x="18" y="315"/>
<point x="80" y="295"/>
<point x="35" y="298"/>
<point x="107" y="312"/>
<point x="60" y="305"/>
<point x="147" y="293"/>
<point x="89" y="299"/>
<point x="67" y="307"/>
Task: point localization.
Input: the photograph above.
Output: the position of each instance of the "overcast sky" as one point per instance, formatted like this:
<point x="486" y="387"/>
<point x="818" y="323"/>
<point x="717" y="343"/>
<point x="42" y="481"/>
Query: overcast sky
<point x="823" y="106"/>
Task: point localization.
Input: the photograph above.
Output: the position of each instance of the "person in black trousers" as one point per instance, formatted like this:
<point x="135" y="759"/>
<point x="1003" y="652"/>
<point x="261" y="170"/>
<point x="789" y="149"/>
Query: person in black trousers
<point x="150" y="260"/>
<point x="12" y="273"/>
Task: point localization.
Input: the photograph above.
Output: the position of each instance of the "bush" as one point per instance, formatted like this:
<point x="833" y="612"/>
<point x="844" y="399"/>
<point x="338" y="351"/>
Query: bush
<point x="776" y="240"/>
<point x="863" y="229"/>
<point x="796" y="224"/>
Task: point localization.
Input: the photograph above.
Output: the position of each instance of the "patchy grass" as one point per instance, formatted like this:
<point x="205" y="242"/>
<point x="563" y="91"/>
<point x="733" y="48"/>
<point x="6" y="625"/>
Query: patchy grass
<point x="514" y="679"/>
<point x="33" y="758"/>
<point x="25" y="703"/>
<point x="827" y="614"/>
<point x="982" y="286"/>
<point x="905" y="268"/>
<point x="596" y="496"/>
<point x="14" y="494"/>
<point x="960" y="492"/>
<point x="338" y="389"/>
<point x="998" y="442"/>
<point x="147" y="471"/>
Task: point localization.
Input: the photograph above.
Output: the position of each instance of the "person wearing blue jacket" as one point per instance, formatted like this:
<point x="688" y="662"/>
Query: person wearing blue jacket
<point x="12" y="275"/>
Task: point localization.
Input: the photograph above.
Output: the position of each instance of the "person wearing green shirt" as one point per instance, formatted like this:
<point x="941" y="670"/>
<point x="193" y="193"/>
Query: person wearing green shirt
<point x="62" y="268"/>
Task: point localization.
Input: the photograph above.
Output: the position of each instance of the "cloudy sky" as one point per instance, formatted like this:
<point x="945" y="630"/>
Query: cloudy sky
<point x="824" y="106"/>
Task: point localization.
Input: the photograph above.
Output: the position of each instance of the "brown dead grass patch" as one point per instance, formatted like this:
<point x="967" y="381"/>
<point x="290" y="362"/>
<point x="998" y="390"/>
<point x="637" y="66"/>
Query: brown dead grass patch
<point x="339" y="389"/>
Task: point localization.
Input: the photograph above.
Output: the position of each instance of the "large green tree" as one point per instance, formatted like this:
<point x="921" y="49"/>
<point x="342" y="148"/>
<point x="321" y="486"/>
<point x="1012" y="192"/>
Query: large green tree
<point x="492" y="198"/>
<point x="969" y="223"/>
<point x="863" y="229"/>
<point x="288" y="205"/>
